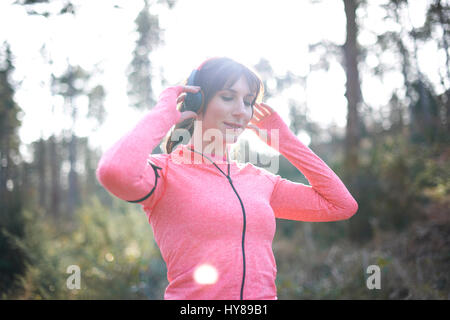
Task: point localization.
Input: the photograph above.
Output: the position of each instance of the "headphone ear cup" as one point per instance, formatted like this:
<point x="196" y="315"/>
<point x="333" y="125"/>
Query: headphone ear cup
<point x="194" y="101"/>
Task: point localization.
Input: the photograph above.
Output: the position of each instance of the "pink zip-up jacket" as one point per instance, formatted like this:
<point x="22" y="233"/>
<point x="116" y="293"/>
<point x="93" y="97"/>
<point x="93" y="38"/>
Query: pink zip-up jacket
<point x="214" y="222"/>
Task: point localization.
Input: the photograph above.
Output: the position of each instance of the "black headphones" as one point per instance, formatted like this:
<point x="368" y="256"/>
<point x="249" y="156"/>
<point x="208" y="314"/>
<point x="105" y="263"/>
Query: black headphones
<point x="194" y="101"/>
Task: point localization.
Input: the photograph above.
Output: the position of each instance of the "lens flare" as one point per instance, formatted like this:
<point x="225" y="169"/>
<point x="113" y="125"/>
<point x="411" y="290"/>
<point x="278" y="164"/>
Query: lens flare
<point x="205" y="274"/>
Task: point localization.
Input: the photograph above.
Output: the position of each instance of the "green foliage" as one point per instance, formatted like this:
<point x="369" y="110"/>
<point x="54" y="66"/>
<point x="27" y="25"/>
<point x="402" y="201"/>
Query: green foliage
<point x="13" y="256"/>
<point x="402" y="189"/>
<point x="413" y="265"/>
<point x="395" y="183"/>
<point x="9" y="110"/>
<point x="114" y="250"/>
<point x="47" y="8"/>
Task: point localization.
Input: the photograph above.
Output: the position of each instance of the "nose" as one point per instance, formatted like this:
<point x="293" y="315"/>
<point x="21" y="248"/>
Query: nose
<point x="240" y="108"/>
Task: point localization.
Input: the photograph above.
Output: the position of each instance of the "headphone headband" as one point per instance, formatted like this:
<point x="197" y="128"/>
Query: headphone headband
<point x="212" y="58"/>
<point x="195" y="101"/>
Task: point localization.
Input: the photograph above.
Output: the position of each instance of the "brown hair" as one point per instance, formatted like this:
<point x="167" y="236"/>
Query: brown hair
<point x="212" y="77"/>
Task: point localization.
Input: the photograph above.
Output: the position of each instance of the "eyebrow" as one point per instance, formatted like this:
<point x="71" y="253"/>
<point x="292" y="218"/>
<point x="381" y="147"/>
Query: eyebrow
<point x="234" y="91"/>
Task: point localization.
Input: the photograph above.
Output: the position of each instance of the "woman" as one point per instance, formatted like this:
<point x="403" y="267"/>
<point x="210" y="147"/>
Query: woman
<point x="213" y="218"/>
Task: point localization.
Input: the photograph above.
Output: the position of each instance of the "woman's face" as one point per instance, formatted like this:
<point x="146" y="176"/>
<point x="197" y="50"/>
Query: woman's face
<point x="231" y="105"/>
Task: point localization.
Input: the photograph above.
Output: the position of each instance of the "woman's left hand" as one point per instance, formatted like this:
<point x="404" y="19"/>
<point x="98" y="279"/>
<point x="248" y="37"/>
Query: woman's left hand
<point x="261" y="112"/>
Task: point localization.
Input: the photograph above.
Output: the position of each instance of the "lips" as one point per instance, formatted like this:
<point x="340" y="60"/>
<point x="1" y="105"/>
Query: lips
<point x="232" y="125"/>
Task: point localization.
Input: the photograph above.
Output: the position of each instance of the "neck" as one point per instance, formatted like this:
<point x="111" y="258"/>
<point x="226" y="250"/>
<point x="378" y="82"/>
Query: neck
<point x="211" y="143"/>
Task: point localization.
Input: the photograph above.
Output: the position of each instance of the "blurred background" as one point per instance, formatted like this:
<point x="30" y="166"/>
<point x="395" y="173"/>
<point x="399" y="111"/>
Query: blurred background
<point x="364" y="83"/>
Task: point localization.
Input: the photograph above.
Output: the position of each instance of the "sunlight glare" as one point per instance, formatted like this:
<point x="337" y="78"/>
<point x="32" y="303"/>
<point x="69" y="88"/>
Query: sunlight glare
<point x="205" y="274"/>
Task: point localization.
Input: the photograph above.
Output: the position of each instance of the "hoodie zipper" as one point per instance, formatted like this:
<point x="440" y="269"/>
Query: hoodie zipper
<point x="243" y="235"/>
<point x="243" y="215"/>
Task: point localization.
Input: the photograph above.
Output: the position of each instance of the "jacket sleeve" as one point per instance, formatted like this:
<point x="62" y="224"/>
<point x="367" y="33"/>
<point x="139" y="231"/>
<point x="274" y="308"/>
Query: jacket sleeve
<point x="128" y="170"/>
<point x="327" y="199"/>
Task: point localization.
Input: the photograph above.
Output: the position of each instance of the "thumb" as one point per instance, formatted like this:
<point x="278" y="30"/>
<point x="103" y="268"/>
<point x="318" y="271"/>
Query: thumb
<point x="187" y="114"/>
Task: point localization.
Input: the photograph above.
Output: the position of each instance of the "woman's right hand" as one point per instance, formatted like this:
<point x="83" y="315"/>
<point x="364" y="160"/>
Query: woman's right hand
<point x="187" y="114"/>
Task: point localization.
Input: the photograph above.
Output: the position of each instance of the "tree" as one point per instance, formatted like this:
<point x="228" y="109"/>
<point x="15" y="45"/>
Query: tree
<point x="71" y="85"/>
<point x="34" y="7"/>
<point x="353" y="88"/>
<point x="427" y="121"/>
<point x="13" y="257"/>
<point x="140" y="90"/>
<point x="55" y="176"/>
<point x="438" y="17"/>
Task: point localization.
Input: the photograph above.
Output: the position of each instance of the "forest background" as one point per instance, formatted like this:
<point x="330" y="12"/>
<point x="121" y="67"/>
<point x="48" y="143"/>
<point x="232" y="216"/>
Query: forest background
<point x="392" y="155"/>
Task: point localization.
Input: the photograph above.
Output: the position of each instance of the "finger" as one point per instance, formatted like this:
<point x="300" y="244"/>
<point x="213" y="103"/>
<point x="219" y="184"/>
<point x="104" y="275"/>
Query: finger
<point x="258" y="113"/>
<point x="255" y="118"/>
<point x="263" y="111"/>
<point x="266" y="107"/>
<point x="192" y="89"/>
<point x="188" y="114"/>
<point x="181" y="98"/>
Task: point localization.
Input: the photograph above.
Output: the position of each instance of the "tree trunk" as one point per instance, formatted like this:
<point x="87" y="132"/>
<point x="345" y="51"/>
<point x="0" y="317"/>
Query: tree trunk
<point x="353" y="90"/>
<point x="55" y="172"/>
<point x="443" y="23"/>
<point x="41" y="167"/>
<point x="359" y="227"/>
<point x="73" y="196"/>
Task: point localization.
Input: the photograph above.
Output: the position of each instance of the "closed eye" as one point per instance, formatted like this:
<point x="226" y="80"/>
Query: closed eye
<point x="231" y="98"/>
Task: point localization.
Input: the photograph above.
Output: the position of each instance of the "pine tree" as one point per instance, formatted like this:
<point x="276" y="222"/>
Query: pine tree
<point x="13" y="258"/>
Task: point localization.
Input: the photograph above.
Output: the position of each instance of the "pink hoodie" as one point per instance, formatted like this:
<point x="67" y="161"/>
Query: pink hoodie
<point x="215" y="233"/>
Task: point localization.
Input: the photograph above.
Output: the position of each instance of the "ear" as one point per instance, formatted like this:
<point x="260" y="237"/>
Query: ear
<point x="201" y="111"/>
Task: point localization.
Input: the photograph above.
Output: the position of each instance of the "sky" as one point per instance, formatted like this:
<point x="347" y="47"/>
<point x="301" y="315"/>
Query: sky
<point x="194" y="30"/>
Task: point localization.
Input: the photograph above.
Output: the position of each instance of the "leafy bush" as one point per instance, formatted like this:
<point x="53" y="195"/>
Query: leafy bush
<point x="114" y="250"/>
